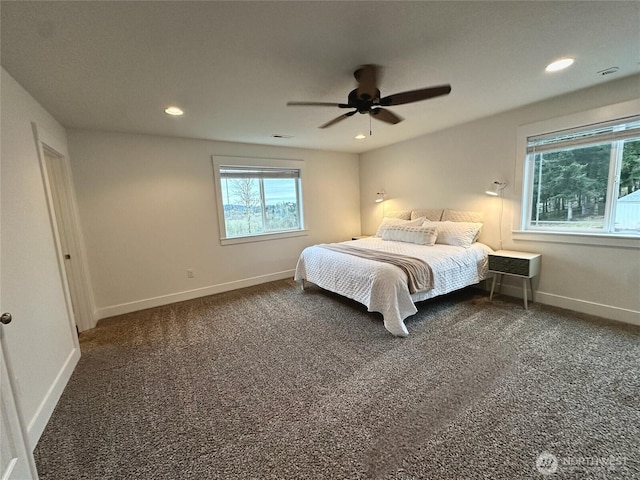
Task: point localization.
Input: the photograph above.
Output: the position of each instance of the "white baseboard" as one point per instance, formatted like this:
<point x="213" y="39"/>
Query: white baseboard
<point x="582" y="306"/>
<point x="129" y="307"/>
<point x="39" y="421"/>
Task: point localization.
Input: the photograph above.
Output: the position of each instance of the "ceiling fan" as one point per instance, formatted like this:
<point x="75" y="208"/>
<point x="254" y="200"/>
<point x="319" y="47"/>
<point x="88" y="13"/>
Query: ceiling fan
<point x="366" y="98"/>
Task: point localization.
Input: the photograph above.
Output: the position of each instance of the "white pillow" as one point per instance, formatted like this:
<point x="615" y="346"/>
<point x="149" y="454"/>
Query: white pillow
<point x="459" y="234"/>
<point x="392" y="222"/>
<point x="411" y="234"/>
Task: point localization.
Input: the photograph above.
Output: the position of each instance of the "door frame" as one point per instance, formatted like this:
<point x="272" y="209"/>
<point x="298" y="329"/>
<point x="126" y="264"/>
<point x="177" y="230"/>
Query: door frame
<point x="77" y="283"/>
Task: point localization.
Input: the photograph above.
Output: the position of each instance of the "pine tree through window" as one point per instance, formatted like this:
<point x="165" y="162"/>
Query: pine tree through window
<point x="585" y="179"/>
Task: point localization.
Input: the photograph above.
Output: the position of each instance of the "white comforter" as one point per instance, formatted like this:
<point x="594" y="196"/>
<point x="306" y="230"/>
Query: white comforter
<point x="382" y="287"/>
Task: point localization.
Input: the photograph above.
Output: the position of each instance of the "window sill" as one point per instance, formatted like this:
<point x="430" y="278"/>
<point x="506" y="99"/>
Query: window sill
<point x="608" y="240"/>
<point x="263" y="237"/>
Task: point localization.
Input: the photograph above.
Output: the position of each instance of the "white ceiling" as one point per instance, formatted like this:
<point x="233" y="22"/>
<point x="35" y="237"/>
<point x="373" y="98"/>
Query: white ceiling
<point x="232" y="66"/>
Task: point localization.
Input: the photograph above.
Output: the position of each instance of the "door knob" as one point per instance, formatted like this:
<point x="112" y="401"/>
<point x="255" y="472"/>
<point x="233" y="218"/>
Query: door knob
<point x="6" y="318"/>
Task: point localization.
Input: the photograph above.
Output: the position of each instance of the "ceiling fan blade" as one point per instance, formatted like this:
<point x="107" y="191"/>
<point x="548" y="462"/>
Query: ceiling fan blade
<point x="415" y="95"/>
<point x="385" y="115"/>
<point x="318" y="104"/>
<point x="367" y="78"/>
<point x="337" y="119"/>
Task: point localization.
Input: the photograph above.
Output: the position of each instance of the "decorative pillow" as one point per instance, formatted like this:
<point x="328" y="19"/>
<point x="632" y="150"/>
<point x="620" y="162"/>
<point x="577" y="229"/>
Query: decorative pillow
<point x="462" y="216"/>
<point x="402" y="214"/>
<point x="393" y="222"/>
<point x="433" y="214"/>
<point x="411" y="234"/>
<point x="459" y="234"/>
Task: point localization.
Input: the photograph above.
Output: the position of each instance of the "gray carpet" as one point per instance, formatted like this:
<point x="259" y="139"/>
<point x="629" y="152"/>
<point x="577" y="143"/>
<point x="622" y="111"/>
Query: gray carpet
<point x="270" y="382"/>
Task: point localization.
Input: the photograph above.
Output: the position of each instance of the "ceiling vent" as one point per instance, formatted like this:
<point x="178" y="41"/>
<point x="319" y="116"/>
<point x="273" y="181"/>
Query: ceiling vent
<point x="608" y="71"/>
<point x="280" y="135"/>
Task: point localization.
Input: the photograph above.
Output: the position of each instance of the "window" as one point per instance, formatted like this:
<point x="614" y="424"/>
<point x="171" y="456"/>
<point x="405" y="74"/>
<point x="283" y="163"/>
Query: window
<point x="258" y="199"/>
<point x="584" y="179"/>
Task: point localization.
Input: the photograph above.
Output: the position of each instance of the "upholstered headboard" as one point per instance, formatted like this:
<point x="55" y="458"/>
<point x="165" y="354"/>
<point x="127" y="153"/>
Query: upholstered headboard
<point x="432" y="214"/>
<point x="401" y="214"/>
<point x="462" y="216"/>
<point x="438" y="215"/>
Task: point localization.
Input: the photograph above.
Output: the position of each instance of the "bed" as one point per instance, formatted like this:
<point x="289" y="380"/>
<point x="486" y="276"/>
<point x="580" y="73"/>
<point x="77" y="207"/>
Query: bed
<point x="351" y="269"/>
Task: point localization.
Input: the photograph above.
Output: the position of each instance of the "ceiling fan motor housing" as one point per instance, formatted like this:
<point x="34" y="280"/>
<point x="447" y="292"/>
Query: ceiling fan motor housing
<point x="362" y="103"/>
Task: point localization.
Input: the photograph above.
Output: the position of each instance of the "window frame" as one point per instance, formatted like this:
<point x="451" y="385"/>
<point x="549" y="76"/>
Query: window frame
<point x="220" y="161"/>
<point x="523" y="188"/>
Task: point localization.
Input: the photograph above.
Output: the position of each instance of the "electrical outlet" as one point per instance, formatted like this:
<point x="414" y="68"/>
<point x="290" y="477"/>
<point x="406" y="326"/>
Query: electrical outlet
<point x="190" y="273"/>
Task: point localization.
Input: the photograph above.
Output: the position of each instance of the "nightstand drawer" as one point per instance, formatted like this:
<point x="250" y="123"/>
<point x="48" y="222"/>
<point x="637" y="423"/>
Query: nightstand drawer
<point x="518" y="264"/>
<point x="513" y="266"/>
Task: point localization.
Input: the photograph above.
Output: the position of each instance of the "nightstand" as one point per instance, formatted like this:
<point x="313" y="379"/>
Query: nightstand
<point x="517" y="264"/>
<point x="360" y="237"/>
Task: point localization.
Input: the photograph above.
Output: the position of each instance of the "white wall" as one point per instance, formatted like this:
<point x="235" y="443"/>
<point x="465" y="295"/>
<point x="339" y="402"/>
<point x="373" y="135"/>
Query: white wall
<point x="148" y="211"/>
<point x="42" y="347"/>
<point x="452" y="168"/>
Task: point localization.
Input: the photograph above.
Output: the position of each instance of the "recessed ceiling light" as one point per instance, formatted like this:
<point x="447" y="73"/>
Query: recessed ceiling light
<point x="559" y="64"/>
<point x="360" y="136"/>
<point x="175" y="111"/>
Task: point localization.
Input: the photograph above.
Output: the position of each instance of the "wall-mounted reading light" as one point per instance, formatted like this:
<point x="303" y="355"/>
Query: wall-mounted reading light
<point x="496" y="188"/>
<point x="380" y="196"/>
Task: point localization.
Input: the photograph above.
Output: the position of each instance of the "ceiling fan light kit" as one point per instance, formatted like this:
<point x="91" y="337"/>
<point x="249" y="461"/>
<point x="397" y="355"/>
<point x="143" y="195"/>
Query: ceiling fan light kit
<point x="366" y="98"/>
